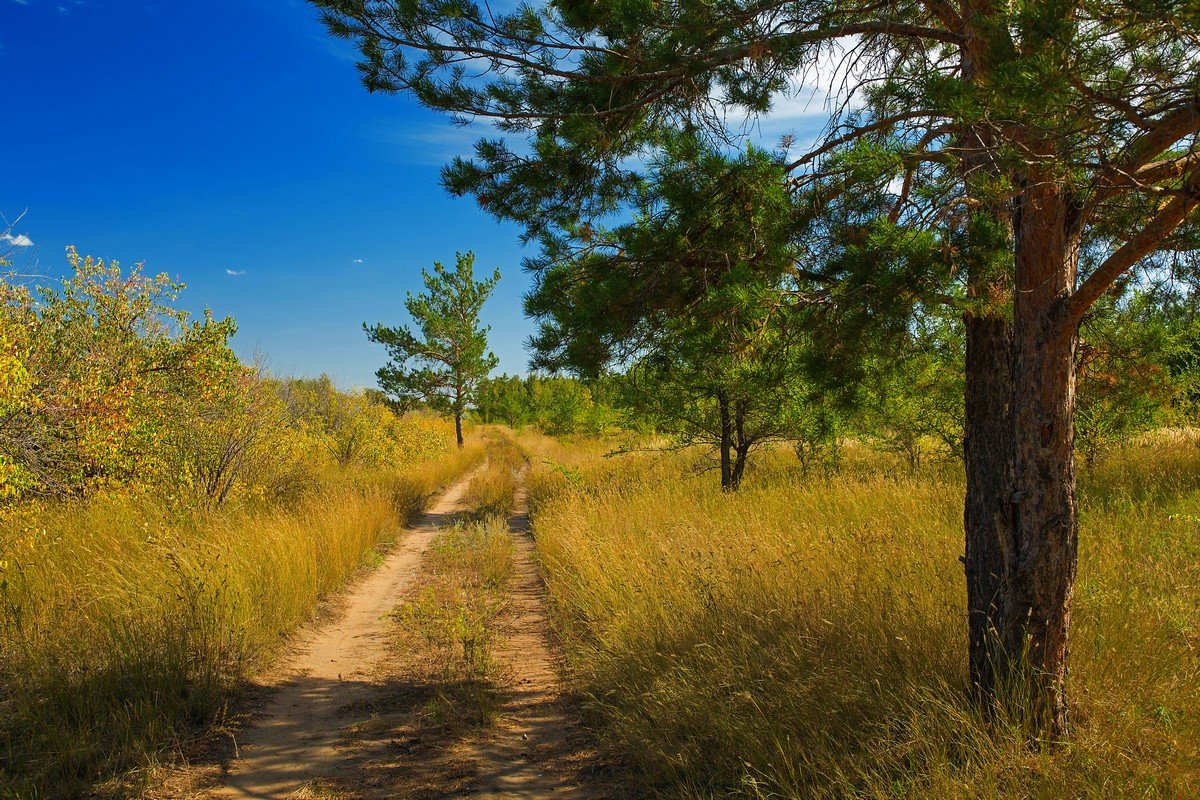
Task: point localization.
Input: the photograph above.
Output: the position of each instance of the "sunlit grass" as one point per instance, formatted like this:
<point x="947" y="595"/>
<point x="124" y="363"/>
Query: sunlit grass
<point x="491" y="490"/>
<point x="806" y="637"/>
<point x="123" y="621"/>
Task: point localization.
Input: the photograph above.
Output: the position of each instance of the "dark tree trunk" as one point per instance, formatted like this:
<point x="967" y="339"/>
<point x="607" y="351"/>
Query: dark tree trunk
<point x="988" y="514"/>
<point x="1040" y="577"/>
<point x="741" y="447"/>
<point x="458" y="427"/>
<point x="988" y="510"/>
<point x="726" y="442"/>
<point x="739" y="467"/>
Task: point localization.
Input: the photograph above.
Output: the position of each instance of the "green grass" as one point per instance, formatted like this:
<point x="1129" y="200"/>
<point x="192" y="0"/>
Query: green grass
<point x="806" y="638"/>
<point x="125" y="625"/>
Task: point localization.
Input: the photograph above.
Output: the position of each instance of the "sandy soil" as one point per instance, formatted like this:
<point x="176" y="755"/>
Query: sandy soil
<point x="294" y="738"/>
<point x="536" y="749"/>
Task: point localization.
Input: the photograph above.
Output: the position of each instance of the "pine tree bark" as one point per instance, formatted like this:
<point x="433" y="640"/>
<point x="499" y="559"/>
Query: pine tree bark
<point x="726" y="442"/>
<point x="987" y="442"/>
<point x="741" y="447"/>
<point x="988" y="511"/>
<point x="458" y="430"/>
<point x="1040" y="579"/>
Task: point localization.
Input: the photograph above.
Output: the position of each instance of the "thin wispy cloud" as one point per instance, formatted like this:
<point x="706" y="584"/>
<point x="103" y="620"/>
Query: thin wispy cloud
<point x="235" y="272"/>
<point x="428" y="141"/>
<point x="16" y="240"/>
<point x="358" y="261"/>
<point x="802" y="112"/>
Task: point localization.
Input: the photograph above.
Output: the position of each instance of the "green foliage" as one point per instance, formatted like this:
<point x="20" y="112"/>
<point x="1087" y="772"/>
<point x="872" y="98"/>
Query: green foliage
<point x="106" y="386"/>
<point x="908" y="195"/>
<point x="710" y="245"/>
<point x="1137" y="368"/>
<point x="442" y="363"/>
<point x="732" y="398"/>
<point x="556" y="405"/>
<point x="913" y="400"/>
<point x="99" y="376"/>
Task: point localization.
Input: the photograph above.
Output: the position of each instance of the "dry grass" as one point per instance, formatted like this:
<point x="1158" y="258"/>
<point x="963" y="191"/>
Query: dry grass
<point x="491" y="491"/>
<point x="124" y="624"/>
<point x="447" y="628"/>
<point x="452" y="614"/>
<point x="805" y="638"/>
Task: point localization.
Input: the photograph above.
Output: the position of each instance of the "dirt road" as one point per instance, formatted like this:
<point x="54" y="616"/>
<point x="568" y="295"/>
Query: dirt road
<point x="336" y="719"/>
<point x="293" y="740"/>
<point x="535" y="748"/>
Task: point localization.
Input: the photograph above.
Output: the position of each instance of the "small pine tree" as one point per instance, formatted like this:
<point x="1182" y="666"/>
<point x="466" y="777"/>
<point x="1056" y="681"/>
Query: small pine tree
<point x="442" y="363"/>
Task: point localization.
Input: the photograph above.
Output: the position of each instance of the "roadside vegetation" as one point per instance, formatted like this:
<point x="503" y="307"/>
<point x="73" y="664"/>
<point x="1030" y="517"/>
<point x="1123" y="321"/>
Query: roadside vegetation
<point x="492" y="490"/>
<point x="803" y="638"/>
<point x="170" y="515"/>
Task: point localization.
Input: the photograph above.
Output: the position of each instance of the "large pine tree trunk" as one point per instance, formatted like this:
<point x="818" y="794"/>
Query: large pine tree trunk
<point x="458" y="433"/>
<point x="988" y="510"/>
<point x="1040" y="578"/>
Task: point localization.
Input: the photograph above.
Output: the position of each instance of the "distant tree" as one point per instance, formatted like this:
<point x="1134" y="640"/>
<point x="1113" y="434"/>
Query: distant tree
<point x="555" y="404"/>
<point x="563" y="405"/>
<point x="504" y="399"/>
<point x="914" y="397"/>
<point x="733" y="412"/>
<point x="442" y="363"/>
<point x="1136" y="367"/>
<point x="728" y="390"/>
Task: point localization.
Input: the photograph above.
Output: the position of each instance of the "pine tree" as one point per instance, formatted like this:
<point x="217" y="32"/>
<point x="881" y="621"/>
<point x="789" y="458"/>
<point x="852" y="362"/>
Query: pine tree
<point x="1046" y="148"/>
<point x="442" y="363"/>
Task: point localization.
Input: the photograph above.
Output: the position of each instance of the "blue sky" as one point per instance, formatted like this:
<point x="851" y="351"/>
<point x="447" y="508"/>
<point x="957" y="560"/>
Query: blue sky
<point x="230" y="144"/>
<point x="212" y="136"/>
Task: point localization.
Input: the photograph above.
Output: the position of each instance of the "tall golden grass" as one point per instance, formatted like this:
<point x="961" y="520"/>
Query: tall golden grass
<point x="123" y="622"/>
<point x="806" y="637"/>
<point x="492" y="489"/>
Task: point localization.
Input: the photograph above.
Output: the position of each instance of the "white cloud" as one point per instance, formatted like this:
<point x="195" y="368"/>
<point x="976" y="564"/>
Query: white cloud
<point x="358" y="261"/>
<point x="235" y="272"/>
<point x="16" y="240"/>
<point x="803" y="111"/>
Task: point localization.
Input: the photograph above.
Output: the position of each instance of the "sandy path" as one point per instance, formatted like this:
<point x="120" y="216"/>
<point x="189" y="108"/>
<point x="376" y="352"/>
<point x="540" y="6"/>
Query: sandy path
<point x="293" y="738"/>
<point x="535" y="749"/>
